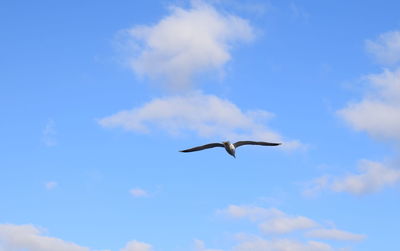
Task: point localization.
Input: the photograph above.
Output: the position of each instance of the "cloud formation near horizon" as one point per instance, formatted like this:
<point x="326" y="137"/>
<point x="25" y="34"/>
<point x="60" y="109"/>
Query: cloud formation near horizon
<point x="186" y="43"/>
<point x="29" y="237"/>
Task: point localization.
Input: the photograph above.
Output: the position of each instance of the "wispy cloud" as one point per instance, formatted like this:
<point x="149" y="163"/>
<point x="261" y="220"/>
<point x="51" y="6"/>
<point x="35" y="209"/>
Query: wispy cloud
<point x="372" y="177"/>
<point x="205" y="115"/>
<point x="137" y="246"/>
<point x="299" y="12"/>
<point x="186" y="43"/>
<point x="386" y="48"/>
<point x="335" y="234"/>
<point x="49" y="133"/>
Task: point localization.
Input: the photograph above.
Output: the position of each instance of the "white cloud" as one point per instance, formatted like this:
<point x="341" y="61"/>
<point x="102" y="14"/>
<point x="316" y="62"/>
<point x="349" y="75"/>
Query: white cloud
<point x="259" y="244"/>
<point x="379" y="112"/>
<point x="335" y="234"/>
<point x="49" y="134"/>
<point x="252" y="213"/>
<point x="50" y="185"/>
<point x="187" y="42"/>
<point x="282" y="225"/>
<point x="28" y="237"/>
<point x="255" y="243"/>
<point x="199" y="246"/>
<point x="137" y="246"/>
<point x="273" y="221"/>
<point x="206" y="115"/>
<point x="31" y="238"/>
<point x="138" y="192"/>
<point x="372" y="177"/>
<point x="386" y="48"/>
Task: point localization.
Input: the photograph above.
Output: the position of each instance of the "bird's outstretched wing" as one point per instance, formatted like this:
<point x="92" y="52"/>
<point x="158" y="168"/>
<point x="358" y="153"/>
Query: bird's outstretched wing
<point x="199" y="148"/>
<point x="260" y="143"/>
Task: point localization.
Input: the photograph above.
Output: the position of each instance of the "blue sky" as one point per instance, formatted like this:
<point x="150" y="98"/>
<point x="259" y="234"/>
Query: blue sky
<point x="97" y="99"/>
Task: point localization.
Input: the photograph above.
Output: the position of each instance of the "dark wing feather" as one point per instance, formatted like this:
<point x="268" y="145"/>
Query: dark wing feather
<point x="260" y="143"/>
<point x="199" y="148"/>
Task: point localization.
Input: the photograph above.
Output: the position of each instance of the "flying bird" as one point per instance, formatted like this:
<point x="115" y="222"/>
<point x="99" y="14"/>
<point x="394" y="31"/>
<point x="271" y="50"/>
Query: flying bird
<point x="229" y="147"/>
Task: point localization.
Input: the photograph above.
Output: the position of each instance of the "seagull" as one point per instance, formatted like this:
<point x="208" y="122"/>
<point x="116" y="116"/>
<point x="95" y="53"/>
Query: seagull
<point x="229" y="147"/>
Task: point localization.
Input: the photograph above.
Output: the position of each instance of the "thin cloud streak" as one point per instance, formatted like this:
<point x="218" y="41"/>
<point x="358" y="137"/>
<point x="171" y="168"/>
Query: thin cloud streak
<point x="335" y="234"/>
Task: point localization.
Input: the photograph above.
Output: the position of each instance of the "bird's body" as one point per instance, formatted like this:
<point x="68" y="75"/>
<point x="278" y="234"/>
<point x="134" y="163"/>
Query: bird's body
<point x="229" y="147"/>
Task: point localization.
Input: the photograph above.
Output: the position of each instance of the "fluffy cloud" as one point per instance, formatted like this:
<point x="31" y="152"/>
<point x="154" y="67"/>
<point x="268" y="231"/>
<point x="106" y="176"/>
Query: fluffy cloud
<point x="386" y="48"/>
<point x="274" y="221"/>
<point x="31" y="238"/>
<point x="187" y="42"/>
<point x="282" y="225"/>
<point x="173" y="51"/>
<point x="137" y="246"/>
<point x="372" y="177"/>
<point x="252" y="213"/>
<point x="28" y="237"/>
<point x="271" y="220"/>
<point x="206" y="115"/>
<point x="335" y="234"/>
<point x="199" y="246"/>
<point x="378" y="113"/>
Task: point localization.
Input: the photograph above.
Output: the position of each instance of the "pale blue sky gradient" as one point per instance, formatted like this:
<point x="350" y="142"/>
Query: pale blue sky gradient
<point x="63" y="69"/>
